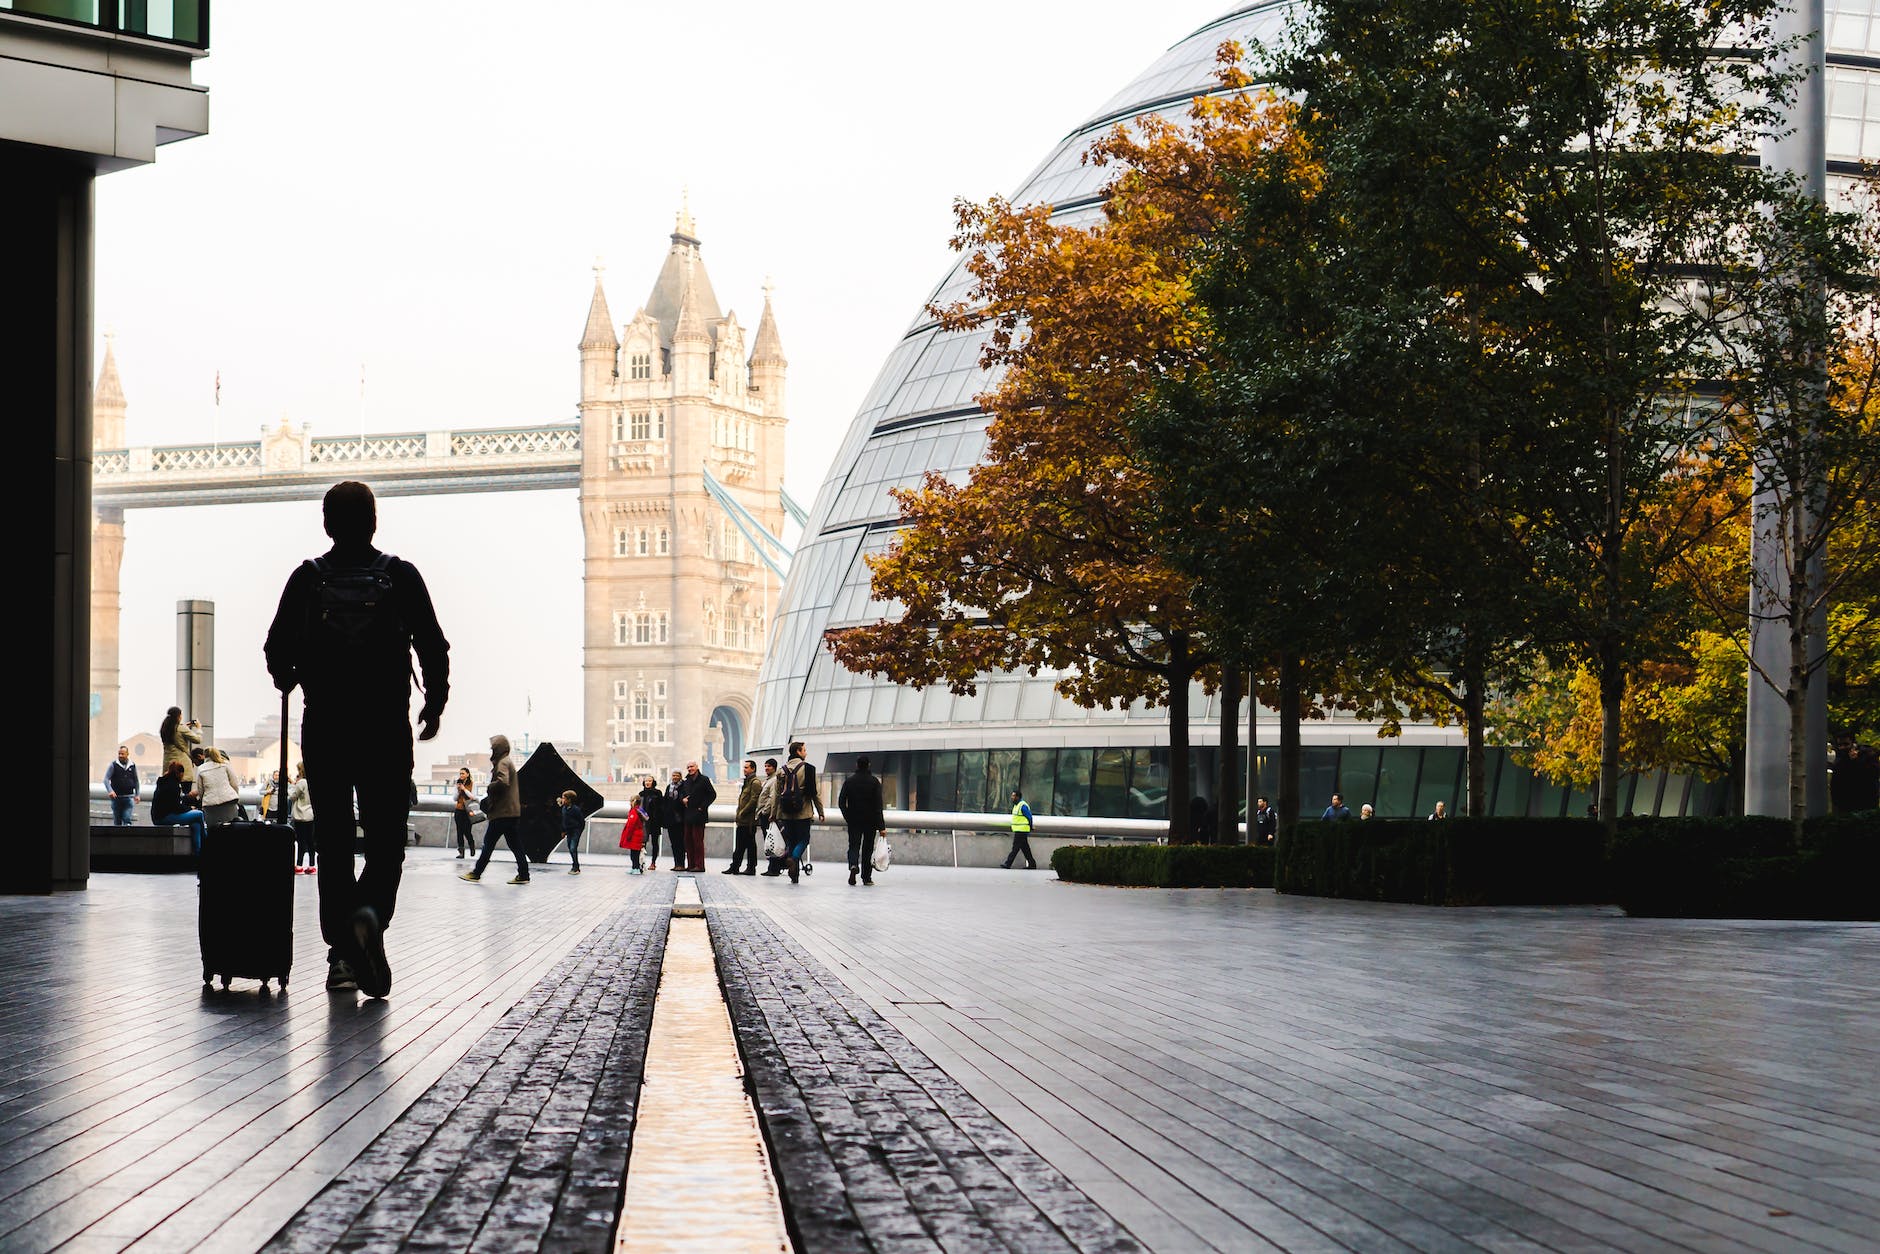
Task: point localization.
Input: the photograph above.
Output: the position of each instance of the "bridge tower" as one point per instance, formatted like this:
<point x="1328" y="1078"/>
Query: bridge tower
<point x="108" y="409"/>
<point x="676" y="603"/>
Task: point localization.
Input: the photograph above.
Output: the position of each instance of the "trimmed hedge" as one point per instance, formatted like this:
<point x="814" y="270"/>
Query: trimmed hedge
<point x="1749" y="868"/>
<point x="1457" y="862"/>
<point x="1166" y="866"/>
<point x="1698" y="867"/>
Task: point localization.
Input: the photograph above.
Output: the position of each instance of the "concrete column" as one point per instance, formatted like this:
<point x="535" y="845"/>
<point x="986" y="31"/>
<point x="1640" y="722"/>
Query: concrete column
<point x="107" y="558"/>
<point x="1803" y="153"/>
<point x="195" y="664"/>
<point x="47" y="216"/>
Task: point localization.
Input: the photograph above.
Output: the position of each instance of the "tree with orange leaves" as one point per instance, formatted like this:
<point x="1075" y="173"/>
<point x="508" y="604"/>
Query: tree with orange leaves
<point x="1045" y="559"/>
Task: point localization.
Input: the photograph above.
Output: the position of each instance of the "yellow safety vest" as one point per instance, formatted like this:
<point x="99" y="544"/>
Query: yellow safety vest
<point x="1019" y="822"/>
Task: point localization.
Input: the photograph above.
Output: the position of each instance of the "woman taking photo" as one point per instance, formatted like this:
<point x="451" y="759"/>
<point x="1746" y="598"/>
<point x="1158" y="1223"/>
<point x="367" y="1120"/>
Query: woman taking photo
<point x="178" y="739"/>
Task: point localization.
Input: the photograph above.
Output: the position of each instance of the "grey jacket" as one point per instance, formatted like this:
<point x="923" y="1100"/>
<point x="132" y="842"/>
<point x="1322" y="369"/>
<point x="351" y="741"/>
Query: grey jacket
<point x="505" y="796"/>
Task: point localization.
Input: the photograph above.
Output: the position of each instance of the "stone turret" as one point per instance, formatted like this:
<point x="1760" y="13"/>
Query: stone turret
<point x="768" y="365"/>
<point x="600" y="349"/>
<point x="691" y="345"/>
<point x="107" y="402"/>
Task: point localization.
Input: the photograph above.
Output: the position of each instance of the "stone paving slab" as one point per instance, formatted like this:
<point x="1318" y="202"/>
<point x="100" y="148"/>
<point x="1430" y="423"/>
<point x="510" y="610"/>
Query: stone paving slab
<point x="876" y="1149"/>
<point x="1240" y="1070"/>
<point x="522" y="1144"/>
<point x="139" y="1111"/>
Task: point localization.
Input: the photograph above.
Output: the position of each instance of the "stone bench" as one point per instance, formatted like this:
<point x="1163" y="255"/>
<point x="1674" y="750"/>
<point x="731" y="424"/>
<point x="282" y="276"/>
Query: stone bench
<point x="141" y="848"/>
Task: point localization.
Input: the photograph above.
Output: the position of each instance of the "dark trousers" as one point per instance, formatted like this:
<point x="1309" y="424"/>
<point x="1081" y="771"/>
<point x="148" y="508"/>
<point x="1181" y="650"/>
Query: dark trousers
<point x="1021" y="844"/>
<point x="306" y="836"/>
<point x="862" y="851"/>
<point x="466" y="838"/>
<point x="573" y="853"/>
<point x="365" y="757"/>
<point x="504" y="829"/>
<point x="694" y="846"/>
<point x="675" y="845"/>
<point x="745" y="846"/>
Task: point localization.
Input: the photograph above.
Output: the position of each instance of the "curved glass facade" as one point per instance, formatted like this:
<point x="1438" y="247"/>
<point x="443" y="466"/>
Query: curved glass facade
<point x="920" y="415"/>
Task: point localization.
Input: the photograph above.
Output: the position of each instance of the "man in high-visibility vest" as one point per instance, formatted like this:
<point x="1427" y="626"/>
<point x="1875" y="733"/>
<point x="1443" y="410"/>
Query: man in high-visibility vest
<point x="1021" y="833"/>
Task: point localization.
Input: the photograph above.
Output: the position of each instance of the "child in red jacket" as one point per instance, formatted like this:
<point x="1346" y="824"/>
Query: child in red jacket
<point x="633" y="838"/>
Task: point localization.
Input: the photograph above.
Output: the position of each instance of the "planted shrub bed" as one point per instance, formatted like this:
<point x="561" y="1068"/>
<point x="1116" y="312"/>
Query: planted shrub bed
<point x="1166" y="866"/>
<point x="1699" y="867"/>
<point x="1457" y="862"/>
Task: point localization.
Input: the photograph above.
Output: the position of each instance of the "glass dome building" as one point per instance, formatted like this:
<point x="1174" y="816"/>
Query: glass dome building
<point x="938" y="751"/>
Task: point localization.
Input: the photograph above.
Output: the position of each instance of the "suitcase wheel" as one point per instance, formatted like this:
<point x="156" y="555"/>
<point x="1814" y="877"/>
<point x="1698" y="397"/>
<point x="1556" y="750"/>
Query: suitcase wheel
<point x="225" y="981"/>
<point x="283" y="982"/>
<point x="207" y="978"/>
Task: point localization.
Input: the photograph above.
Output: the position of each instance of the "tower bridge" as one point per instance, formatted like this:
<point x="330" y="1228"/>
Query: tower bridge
<point x="677" y="454"/>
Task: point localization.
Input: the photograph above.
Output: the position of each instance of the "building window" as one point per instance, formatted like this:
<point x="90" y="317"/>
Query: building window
<point x="642" y="707"/>
<point x="662" y="542"/>
<point x="711" y="624"/>
<point x="623" y="627"/>
<point x="642" y="367"/>
<point x="659" y="424"/>
<point x="642" y="628"/>
<point x="620" y="690"/>
<point x="641" y="425"/>
<point x="639" y="543"/>
<point x="620" y="427"/>
<point x="620" y="541"/>
<point x="640" y="735"/>
<point x="711" y="541"/>
<point x="663" y="627"/>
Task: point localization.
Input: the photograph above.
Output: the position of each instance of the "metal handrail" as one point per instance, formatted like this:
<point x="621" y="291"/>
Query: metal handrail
<point x="1056" y="825"/>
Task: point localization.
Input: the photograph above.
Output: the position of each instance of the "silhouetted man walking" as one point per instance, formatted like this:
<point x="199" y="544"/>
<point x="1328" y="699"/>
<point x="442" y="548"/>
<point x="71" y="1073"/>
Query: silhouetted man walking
<point x="345" y="631"/>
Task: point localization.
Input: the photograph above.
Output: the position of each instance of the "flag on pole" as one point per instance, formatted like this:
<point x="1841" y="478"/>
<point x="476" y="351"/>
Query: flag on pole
<point x="218" y="387"/>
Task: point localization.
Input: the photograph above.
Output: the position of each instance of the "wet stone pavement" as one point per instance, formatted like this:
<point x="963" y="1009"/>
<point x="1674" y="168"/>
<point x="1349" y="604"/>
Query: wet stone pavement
<point x="958" y="1060"/>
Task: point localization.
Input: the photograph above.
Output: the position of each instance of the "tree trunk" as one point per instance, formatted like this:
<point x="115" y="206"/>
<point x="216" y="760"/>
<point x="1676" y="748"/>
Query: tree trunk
<point x="1611" y="710"/>
<point x="1286" y="788"/>
<point x="1796" y="697"/>
<point x="1475" y="721"/>
<point x="1180" y="671"/>
<point x="1227" y="786"/>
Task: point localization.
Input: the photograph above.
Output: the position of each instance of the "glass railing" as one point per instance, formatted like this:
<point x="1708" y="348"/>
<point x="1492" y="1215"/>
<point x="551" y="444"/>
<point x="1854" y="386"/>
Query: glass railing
<point x="178" y="21"/>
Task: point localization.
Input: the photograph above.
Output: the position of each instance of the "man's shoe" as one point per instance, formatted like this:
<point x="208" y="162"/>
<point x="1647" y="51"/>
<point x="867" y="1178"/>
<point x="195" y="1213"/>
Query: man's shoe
<point x="772" y="874"/>
<point x="574" y="870"/>
<point x="752" y="871"/>
<point x="340" y="977"/>
<point x="472" y="876"/>
<point x="518" y="879"/>
<point x="730" y="870"/>
<point x="868" y="883"/>
<point x="852" y="874"/>
<point x="375" y="974"/>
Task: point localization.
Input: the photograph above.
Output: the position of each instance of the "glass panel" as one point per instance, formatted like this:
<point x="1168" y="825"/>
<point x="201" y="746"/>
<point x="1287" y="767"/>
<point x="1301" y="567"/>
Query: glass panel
<point x="1001" y="703"/>
<point x="1441" y="769"/>
<point x="1397" y="781"/>
<point x="1001" y="779"/>
<point x="1553" y="799"/>
<point x="1148" y="784"/>
<point x="1578" y="799"/>
<point x="1073" y="782"/>
<point x="1040" y="771"/>
<point x="943" y="790"/>
<point x="1357" y="776"/>
<point x="972" y="780"/>
<point x="70" y="10"/>
<point x="1109" y="779"/>
<point x="1676" y="786"/>
<point x="1517" y="782"/>
<point x="920" y="780"/>
<point x="1318" y="780"/>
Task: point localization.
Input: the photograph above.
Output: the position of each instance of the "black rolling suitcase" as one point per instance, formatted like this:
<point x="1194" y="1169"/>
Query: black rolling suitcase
<point x="245" y="915"/>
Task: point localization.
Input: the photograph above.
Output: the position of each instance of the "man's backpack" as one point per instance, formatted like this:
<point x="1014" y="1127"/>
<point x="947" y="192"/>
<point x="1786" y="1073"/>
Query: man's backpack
<point x="790" y="790"/>
<point x="354" y="612"/>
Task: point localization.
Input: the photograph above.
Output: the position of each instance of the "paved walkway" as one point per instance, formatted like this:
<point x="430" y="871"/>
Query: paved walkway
<point x="1240" y="1071"/>
<point x="1214" y="1071"/>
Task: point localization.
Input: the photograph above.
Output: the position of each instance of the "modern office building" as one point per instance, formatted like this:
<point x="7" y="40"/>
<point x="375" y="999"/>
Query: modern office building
<point x="86" y="87"/>
<point x="939" y="751"/>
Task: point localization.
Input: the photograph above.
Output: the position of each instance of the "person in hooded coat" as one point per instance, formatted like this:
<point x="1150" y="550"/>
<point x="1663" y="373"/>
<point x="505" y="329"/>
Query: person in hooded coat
<point x="505" y="811"/>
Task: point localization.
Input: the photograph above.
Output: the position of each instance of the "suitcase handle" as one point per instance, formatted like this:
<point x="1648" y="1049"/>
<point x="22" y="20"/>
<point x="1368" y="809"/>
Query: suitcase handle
<point x="281" y="798"/>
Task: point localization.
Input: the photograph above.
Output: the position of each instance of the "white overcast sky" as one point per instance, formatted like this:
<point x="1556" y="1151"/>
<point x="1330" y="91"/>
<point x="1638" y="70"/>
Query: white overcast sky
<point x="420" y="192"/>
